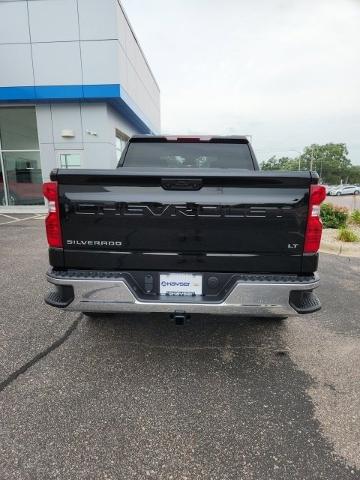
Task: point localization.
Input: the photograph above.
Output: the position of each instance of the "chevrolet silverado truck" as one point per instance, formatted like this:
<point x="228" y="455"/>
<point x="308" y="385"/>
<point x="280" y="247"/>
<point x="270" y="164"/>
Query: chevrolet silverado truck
<point x="184" y="225"/>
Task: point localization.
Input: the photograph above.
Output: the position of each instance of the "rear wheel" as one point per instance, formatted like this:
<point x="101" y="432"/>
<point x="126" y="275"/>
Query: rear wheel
<point x="100" y="317"/>
<point x="273" y="319"/>
<point x="92" y="314"/>
<point x="356" y="192"/>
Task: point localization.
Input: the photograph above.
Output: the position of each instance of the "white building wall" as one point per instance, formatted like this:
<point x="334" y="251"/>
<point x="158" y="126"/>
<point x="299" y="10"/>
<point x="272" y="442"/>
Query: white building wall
<point x="53" y="52"/>
<point x="94" y="126"/>
<point x="75" y="42"/>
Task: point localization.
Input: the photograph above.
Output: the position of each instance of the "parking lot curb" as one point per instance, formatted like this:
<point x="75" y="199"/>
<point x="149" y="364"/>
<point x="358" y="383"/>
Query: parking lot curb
<point x="344" y="249"/>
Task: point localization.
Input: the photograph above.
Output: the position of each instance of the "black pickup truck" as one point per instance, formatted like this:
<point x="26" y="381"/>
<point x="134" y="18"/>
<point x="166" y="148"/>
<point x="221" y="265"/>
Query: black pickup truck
<point x="184" y="225"/>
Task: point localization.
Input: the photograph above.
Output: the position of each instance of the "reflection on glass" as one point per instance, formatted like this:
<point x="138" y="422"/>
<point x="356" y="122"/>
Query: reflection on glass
<point x="23" y="176"/>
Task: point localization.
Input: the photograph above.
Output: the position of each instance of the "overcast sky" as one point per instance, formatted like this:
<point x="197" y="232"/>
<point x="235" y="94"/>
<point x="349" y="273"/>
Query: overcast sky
<point x="285" y="71"/>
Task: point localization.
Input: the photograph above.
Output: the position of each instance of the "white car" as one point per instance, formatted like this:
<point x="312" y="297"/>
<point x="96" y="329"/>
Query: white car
<point x="345" y="190"/>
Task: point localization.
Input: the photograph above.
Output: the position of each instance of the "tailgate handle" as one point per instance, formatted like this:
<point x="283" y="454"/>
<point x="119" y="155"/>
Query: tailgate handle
<point x="181" y="183"/>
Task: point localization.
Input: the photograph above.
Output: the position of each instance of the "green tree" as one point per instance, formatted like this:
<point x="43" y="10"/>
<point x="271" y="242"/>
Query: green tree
<point x="282" y="163"/>
<point x="354" y="174"/>
<point x="329" y="160"/>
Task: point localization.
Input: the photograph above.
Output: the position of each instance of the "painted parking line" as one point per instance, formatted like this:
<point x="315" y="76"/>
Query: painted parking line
<point x="8" y="216"/>
<point x="16" y="220"/>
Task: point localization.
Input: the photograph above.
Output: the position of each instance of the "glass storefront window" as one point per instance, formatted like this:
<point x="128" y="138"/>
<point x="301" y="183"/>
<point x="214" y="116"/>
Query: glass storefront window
<point x="23" y="178"/>
<point x="70" y="160"/>
<point x="18" y="130"/>
<point x="20" y="168"/>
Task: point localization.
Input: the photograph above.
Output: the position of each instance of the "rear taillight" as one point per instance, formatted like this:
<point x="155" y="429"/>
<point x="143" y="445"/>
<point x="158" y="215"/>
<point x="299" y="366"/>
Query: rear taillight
<point x="314" y="223"/>
<point x="52" y="221"/>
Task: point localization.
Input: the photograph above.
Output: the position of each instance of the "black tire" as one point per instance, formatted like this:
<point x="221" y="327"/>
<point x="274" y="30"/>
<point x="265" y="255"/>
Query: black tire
<point x="356" y="192"/>
<point x="92" y="314"/>
<point x="338" y="194"/>
<point x="272" y="319"/>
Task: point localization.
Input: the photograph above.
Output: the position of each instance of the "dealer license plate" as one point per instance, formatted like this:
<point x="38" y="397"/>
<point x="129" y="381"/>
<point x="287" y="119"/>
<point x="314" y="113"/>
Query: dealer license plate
<point x="180" y="284"/>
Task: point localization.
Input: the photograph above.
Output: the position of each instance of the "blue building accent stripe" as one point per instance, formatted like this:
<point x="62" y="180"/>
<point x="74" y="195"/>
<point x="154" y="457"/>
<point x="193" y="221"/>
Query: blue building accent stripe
<point x="64" y="92"/>
<point x="102" y="91"/>
<point x="113" y="94"/>
<point x="17" y="93"/>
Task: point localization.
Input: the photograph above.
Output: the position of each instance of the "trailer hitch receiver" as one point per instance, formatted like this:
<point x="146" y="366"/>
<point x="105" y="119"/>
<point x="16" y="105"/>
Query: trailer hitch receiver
<point x="180" y="318"/>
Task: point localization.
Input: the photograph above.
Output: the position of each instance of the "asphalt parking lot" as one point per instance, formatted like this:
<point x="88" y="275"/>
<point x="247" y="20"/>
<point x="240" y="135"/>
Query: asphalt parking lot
<point x="138" y="397"/>
<point x="351" y="202"/>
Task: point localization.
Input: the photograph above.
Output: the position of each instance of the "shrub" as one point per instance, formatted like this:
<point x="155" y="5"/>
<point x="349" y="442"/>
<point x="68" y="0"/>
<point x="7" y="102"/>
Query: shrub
<point x="355" y="217"/>
<point x="333" y="217"/>
<point x="346" y="235"/>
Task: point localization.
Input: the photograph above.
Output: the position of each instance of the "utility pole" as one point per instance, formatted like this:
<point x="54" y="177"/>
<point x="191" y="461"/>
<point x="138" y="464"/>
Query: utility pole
<point x="321" y="162"/>
<point x="311" y="160"/>
<point x="299" y="153"/>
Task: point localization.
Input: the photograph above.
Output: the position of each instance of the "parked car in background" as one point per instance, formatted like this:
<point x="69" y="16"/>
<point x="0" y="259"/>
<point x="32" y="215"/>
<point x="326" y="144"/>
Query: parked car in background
<point x="332" y="189"/>
<point x="344" y="190"/>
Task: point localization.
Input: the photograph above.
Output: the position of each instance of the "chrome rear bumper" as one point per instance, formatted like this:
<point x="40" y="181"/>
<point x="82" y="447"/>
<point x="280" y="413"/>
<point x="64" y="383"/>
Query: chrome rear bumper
<point x="248" y="298"/>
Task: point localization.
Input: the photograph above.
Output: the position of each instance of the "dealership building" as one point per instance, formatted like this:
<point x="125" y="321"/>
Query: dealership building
<point x="74" y="85"/>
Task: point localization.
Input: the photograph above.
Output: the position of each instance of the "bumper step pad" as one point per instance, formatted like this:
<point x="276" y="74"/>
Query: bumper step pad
<point x="305" y="302"/>
<point x="116" y="275"/>
<point x="61" y="297"/>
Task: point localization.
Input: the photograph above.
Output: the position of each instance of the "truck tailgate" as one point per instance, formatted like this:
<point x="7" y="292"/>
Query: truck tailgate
<point x="224" y="220"/>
